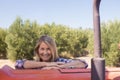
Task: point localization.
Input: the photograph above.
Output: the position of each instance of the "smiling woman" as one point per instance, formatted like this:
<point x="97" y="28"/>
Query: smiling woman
<point x="47" y="57"/>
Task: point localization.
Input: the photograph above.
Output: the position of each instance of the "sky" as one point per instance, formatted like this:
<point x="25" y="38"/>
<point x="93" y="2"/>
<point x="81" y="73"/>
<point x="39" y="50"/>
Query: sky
<point x="72" y="13"/>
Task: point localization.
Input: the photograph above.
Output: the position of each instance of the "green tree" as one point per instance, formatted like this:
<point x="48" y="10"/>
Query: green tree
<point x="70" y="41"/>
<point x="21" y="39"/>
<point x="23" y="35"/>
<point x="110" y="41"/>
<point x="90" y="46"/>
<point x="3" y="45"/>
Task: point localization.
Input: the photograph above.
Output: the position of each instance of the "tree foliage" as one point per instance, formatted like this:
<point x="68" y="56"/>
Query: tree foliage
<point x="3" y="45"/>
<point x="18" y="41"/>
<point x="110" y="41"/>
<point x="68" y="40"/>
<point x="21" y="39"/>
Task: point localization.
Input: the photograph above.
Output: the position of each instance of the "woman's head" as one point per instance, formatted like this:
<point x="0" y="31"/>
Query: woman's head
<point x="45" y="49"/>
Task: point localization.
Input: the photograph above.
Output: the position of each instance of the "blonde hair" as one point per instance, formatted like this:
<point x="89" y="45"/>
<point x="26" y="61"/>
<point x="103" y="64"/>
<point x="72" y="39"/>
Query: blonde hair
<point x="52" y="45"/>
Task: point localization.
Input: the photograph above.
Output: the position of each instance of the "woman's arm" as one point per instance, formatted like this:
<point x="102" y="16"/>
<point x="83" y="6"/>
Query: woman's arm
<point x="33" y="64"/>
<point x="27" y="64"/>
<point x="73" y="63"/>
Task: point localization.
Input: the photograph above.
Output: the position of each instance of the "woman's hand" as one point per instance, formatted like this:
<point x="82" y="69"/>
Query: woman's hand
<point x="49" y="68"/>
<point x="74" y="64"/>
<point x="54" y="64"/>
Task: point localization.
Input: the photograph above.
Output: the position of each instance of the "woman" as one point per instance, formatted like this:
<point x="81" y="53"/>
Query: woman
<point x="47" y="57"/>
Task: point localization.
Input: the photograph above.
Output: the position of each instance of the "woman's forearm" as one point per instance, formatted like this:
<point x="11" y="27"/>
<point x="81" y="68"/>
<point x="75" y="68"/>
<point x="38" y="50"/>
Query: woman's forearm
<point x="75" y="64"/>
<point x="34" y="64"/>
<point x="27" y="64"/>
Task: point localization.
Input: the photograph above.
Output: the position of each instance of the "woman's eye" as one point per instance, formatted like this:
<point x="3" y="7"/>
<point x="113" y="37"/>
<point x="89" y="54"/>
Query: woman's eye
<point x="41" y="48"/>
<point x="48" y="48"/>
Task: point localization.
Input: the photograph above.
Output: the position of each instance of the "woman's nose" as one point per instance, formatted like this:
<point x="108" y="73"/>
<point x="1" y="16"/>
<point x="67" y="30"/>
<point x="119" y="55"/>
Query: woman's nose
<point x="45" y="51"/>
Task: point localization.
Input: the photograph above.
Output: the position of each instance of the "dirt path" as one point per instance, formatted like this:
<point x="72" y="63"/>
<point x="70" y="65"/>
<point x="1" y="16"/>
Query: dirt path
<point x="4" y="62"/>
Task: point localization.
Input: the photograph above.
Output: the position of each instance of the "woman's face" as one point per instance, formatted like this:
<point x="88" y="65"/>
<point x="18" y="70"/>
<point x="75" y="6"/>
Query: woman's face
<point x="44" y="52"/>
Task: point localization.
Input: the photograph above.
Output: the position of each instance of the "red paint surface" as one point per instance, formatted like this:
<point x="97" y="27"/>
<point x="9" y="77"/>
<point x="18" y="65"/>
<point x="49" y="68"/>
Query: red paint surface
<point x="7" y="73"/>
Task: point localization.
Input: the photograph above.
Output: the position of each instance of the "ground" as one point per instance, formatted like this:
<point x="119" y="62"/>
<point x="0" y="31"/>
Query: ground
<point x="11" y="64"/>
<point x="6" y="62"/>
